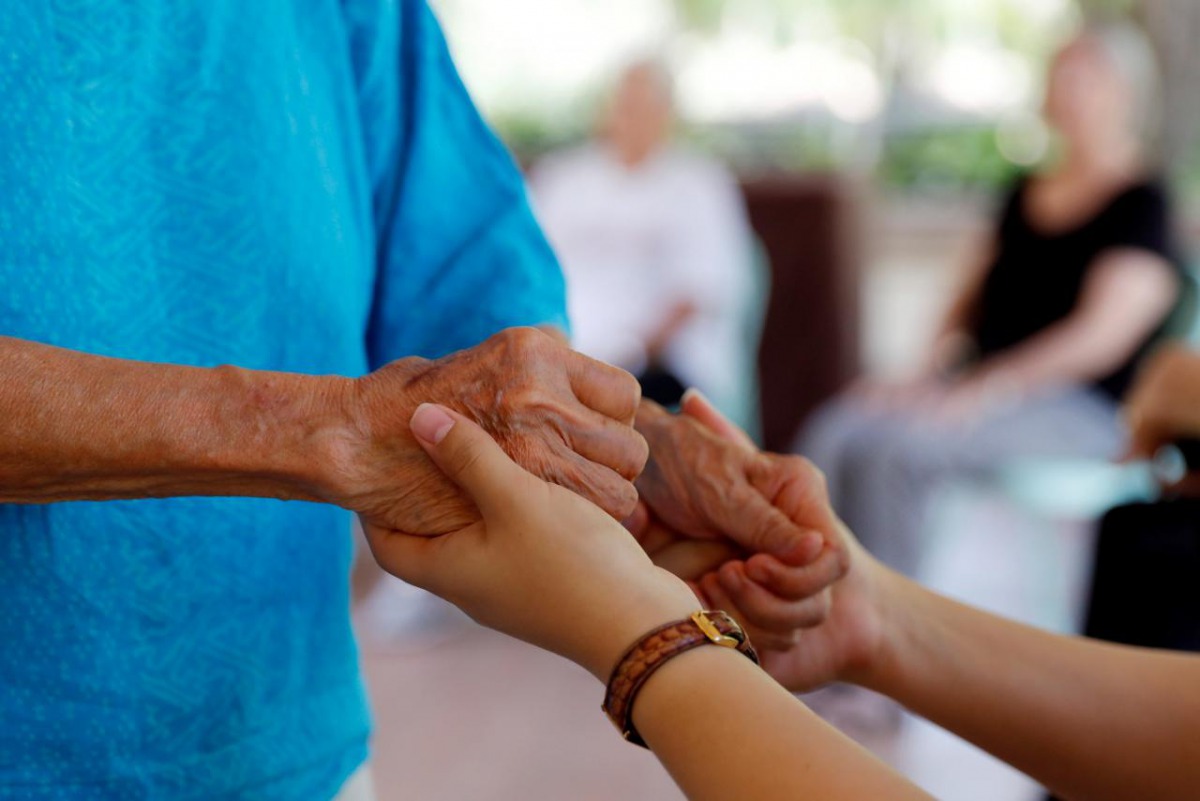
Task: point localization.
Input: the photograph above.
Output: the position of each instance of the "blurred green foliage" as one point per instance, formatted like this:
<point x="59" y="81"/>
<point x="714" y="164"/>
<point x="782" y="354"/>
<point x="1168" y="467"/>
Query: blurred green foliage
<point x="945" y="161"/>
<point x="939" y="157"/>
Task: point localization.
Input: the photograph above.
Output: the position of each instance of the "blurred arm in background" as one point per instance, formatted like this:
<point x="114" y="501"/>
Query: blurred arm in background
<point x="1125" y="298"/>
<point x="1164" y="406"/>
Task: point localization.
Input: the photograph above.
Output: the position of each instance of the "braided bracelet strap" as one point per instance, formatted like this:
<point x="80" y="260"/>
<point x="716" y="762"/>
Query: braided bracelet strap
<point x="659" y="647"/>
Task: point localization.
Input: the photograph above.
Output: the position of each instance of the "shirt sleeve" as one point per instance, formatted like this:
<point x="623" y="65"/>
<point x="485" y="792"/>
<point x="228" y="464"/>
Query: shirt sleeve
<point x="712" y="243"/>
<point x="1142" y="220"/>
<point x="459" y="254"/>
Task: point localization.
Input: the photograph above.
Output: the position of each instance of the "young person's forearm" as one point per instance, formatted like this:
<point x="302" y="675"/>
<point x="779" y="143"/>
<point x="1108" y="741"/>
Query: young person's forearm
<point x="79" y="427"/>
<point x="1087" y="719"/>
<point x="726" y="730"/>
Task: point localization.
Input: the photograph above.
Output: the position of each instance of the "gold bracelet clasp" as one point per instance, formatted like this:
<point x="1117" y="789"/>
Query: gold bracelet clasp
<point x="705" y="624"/>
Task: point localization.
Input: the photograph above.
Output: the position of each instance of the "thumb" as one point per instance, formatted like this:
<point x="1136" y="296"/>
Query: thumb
<point x="698" y="407"/>
<point x="408" y="557"/>
<point x="468" y="456"/>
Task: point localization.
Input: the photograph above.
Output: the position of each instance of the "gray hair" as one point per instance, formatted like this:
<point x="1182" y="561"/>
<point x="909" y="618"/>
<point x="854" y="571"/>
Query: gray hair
<point x="1128" y="50"/>
<point x="657" y="71"/>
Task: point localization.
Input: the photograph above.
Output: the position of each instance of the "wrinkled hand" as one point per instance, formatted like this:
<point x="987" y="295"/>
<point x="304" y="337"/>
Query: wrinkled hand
<point x="562" y="416"/>
<point x="752" y="531"/>
<point x="541" y="564"/>
<point x="707" y="487"/>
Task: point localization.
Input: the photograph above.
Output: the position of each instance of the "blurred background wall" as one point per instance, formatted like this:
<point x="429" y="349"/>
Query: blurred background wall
<point x="871" y="141"/>
<point x="871" y="138"/>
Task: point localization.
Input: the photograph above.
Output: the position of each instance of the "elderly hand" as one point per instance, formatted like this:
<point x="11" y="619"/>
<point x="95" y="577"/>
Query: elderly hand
<point x="752" y="531"/>
<point x="541" y="564"/>
<point x="564" y="417"/>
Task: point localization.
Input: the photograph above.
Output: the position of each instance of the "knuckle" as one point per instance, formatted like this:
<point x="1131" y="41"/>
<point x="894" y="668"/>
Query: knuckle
<point x="625" y="501"/>
<point x="634" y="390"/>
<point x="808" y="471"/>
<point x="637" y="454"/>
<point x="521" y="342"/>
<point x="531" y="398"/>
<point x="842" y="561"/>
<point x="816" y="611"/>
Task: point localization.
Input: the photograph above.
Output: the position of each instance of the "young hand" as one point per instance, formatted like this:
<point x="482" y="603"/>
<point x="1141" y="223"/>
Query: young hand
<point x="541" y="563"/>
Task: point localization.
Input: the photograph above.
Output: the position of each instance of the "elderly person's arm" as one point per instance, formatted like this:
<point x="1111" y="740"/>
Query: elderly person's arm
<point x="75" y="426"/>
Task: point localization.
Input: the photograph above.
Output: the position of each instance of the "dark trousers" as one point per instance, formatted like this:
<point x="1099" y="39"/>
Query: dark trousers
<point x="1146" y="576"/>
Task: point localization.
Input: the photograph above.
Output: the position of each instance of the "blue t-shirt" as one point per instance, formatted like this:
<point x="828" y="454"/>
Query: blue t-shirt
<point x="298" y="185"/>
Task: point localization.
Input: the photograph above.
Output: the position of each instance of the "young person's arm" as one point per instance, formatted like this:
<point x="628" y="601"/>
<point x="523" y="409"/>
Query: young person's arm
<point x="1087" y="719"/>
<point x="547" y="567"/>
<point x="724" y="729"/>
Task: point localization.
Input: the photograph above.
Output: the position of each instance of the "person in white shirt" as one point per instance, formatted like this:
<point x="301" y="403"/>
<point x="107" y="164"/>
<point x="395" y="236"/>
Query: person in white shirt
<point x="655" y="246"/>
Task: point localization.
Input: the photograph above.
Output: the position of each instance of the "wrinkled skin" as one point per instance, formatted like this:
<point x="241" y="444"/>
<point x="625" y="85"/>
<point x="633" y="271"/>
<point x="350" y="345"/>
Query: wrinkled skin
<point x="710" y="488"/>
<point x="753" y="528"/>
<point x="560" y="415"/>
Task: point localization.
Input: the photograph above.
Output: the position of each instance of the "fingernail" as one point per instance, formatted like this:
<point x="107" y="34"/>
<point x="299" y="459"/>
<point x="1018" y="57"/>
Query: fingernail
<point x="693" y="394"/>
<point x="430" y="423"/>
<point x="796" y="551"/>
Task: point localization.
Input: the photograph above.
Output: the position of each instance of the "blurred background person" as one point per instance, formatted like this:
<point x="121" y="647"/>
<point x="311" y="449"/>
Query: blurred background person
<point x="1041" y="343"/>
<point x="655" y="245"/>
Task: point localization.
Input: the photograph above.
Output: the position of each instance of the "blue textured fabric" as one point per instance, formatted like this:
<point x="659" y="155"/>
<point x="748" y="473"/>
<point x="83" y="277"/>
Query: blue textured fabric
<point x="296" y="185"/>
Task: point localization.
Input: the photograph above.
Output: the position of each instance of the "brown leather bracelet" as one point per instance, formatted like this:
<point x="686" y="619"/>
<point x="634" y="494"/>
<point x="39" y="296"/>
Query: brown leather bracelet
<point x="657" y="648"/>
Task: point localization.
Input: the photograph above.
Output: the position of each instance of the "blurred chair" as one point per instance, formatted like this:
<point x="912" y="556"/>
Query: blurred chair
<point x="745" y="408"/>
<point x="1184" y="324"/>
<point x="810" y="336"/>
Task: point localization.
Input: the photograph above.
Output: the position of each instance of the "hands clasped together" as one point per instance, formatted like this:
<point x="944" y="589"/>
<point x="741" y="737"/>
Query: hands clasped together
<point x="502" y="523"/>
<point x="531" y="454"/>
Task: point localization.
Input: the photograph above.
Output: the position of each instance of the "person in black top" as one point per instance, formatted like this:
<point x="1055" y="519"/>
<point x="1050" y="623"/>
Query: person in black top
<point x="1038" y="347"/>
